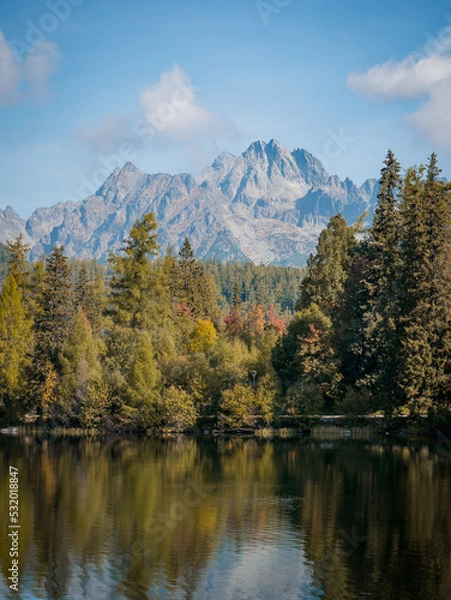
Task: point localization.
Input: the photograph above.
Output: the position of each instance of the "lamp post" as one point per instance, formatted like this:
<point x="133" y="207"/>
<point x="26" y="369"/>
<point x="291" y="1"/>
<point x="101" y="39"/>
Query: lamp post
<point x="254" y="375"/>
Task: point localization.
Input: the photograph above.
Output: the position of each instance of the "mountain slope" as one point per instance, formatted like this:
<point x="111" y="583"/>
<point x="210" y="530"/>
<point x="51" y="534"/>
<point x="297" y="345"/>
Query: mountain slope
<point x="267" y="205"/>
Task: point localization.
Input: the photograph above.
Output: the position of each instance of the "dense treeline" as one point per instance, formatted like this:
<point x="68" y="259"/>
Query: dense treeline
<point x="257" y="284"/>
<point x="373" y="327"/>
<point x="144" y="342"/>
<point x="147" y="342"/>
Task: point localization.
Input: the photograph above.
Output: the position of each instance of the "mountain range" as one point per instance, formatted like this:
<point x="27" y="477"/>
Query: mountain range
<point x="267" y="205"/>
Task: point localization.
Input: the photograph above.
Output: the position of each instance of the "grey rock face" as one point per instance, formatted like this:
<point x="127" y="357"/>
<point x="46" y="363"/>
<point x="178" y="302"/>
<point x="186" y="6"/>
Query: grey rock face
<point x="267" y="205"/>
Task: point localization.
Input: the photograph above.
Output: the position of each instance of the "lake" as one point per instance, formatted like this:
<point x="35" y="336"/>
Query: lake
<point x="322" y="517"/>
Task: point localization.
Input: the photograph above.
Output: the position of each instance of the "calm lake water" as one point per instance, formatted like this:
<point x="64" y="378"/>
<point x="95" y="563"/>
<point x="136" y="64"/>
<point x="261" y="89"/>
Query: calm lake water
<point x="229" y="519"/>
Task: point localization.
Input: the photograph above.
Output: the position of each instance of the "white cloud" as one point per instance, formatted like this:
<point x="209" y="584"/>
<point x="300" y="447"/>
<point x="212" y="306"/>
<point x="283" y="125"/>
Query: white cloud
<point x="28" y="79"/>
<point x="426" y="78"/>
<point x="172" y="109"/>
<point x="172" y="120"/>
<point x="10" y="73"/>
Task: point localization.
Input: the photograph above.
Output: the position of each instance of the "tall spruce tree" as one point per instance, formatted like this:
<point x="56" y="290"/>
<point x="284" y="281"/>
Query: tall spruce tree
<point x="196" y="287"/>
<point x="54" y="316"/>
<point x="425" y="369"/>
<point x="381" y="321"/>
<point x="348" y="323"/>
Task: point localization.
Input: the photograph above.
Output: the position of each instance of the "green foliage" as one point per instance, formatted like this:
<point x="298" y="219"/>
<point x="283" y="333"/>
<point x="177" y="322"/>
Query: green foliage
<point x="237" y="407"/>
<point x="191" y="289"/>
<point x="426" y="290"/>
<point x="266" y="396"/>
<point x="16" y="337"/>
<point x="202" y="337"/>
<point x="56" y="307"/>
<point x="356" y="402"/>
<point x="90" y="295"/>
<point x="246" y="405"/>
<point x="18" y="265"/>
<point x="304" y="398"/>
<point x="381" y="317"/>
<point x="137" y="298"/>
<point x="176" y="409"/>
<point x="142" y="379"/>
<point x="145" y="344"/>
<point x="246" y="284"/>
<point x="306" y="353"/>
<point x="81" y="389"/>
<point x="349" y="337"/>
<point x="4" y="257"/>
<point x="327" y="269"/>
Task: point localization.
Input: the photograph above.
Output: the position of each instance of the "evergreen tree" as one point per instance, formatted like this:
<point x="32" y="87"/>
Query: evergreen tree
<point x="328" y="268"/>
<point x="426" y="283"/>
<point x="37" y="287"/>
<point x="18" y="265"/>
<point x="16" y="338"/>
<point x="195" y="287"/>
<point x="381" y="320"/>
<point x="236" y="297"/>
<point x="54" y="316"/>
<point x="348" y="321"/>
<point x="90" y="296"/>
<point x="170" y="274"/>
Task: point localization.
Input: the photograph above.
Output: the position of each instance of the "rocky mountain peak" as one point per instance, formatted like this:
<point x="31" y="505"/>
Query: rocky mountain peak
<point x="311" y="168"/>
<point x="217" y="170"/>
<point x="266" y="205"/>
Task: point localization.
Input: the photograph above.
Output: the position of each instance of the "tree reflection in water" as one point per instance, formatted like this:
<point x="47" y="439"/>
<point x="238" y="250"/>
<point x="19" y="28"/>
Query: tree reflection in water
<point x="230" y="519"/>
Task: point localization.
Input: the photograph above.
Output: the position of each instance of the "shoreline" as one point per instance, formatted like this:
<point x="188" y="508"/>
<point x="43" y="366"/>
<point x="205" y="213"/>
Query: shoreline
<point x="315" y="427"/>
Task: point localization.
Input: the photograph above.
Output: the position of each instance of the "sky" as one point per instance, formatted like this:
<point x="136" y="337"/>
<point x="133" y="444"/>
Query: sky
<point x="87" y="85"/>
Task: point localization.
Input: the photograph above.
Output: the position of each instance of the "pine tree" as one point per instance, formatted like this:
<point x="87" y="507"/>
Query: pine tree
<point x="170" y="274"/>
<point x="16" y="338"/>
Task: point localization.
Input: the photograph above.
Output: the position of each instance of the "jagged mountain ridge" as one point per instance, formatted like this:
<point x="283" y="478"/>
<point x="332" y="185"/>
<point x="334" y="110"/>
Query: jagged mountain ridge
<point x="267" y="205"/>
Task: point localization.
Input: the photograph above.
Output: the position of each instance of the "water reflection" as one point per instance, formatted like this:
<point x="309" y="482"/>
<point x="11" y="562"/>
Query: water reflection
<point x="229" y="519"/>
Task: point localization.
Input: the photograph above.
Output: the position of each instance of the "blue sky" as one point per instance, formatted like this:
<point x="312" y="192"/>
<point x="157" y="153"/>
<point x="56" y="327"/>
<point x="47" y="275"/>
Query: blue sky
<point x="88" y="84"/>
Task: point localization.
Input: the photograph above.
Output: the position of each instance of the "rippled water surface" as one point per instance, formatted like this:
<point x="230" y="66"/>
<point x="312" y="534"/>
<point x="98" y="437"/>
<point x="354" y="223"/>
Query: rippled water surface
<point x="228" y="519"/>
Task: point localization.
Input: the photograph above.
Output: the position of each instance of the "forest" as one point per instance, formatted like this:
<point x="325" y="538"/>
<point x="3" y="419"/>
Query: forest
<point x="151" y="342"/>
